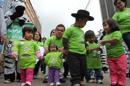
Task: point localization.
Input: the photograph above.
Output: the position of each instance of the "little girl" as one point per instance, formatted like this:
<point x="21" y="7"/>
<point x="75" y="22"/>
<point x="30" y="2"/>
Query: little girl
<point x="54" y="61"/>
<point x="26" y="50"/>
<point x="93" y="60"/>
<point x="116" y="57"/>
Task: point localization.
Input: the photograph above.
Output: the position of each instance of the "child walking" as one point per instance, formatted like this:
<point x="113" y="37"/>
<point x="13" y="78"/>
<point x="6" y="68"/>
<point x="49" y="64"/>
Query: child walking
<point x="54" y="61"/>
<point x="116" y="57"/>
<point x="27" y="50"/>
<point x="93" y="60"/>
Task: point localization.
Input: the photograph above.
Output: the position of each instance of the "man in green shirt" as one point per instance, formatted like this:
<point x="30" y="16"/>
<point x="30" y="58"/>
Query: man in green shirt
<point x="74" y="46"/>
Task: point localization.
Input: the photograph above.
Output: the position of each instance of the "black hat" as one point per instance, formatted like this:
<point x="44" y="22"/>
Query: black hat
<point x="82" y="14"/>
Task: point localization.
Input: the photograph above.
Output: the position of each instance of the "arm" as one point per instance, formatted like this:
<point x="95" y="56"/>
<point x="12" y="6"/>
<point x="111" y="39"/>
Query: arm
<point x="65" y="44"/>
<point x="110" y="42"/>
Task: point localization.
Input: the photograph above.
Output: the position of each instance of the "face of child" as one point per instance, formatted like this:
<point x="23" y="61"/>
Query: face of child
<point x="91" y="39"/>
<point x="28" y="35"/>
<point x="106" y="27"/>
<point x="36" y="36"/>
<point x="120" y="5"/>
<point x="53" y="47"/>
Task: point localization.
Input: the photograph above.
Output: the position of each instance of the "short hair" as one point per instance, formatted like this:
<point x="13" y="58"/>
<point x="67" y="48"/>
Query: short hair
<point x="112" y="24"/>
<point x="60" y="25"/>
<point x="27" y="29"/>
<point x="125" y="1"/>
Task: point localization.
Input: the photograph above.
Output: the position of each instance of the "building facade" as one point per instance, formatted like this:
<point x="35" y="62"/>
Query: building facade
<point x="108" y="8"/>
<point x="30" y="12"/>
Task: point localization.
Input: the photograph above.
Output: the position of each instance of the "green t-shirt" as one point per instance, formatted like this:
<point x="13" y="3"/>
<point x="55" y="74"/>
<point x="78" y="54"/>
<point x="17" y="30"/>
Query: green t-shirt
<point x="55" y="40"/>
<point x="93" y="60"/>
<point x="115" y="50"/>
<point x="123" y="19"/>
<point x="76" y="42"/>
<point x="54" y="59"/>
<point x="26" y="51"/>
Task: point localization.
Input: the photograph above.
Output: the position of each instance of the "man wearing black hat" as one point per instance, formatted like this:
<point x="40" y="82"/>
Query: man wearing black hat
<point x="74" y="46"/>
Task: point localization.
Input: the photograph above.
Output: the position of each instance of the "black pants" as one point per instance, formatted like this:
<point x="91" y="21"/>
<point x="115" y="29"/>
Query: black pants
<point x="126" y="38"/>
<point x="66" y="68"/>
<point x="77" y="67"/>
<point x="37" y="66"/>
<point x="10" y="77"/>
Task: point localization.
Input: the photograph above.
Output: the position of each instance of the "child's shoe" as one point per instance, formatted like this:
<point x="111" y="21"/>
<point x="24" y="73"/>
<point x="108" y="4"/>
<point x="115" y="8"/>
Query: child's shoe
<point x="51" y="84"/>
<point x="99" y="81"/>
<point x="7" y="81"/>
<point x="58" y="84"/>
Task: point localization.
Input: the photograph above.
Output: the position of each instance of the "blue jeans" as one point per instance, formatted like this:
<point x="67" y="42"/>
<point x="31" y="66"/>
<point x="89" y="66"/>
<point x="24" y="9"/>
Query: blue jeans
<point x="126" y="38"/>
<point x="94" y="72"/>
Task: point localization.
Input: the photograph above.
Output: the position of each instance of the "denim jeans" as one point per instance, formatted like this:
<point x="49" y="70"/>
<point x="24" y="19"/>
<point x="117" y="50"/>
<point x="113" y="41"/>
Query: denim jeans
<point x="126" y="38"/>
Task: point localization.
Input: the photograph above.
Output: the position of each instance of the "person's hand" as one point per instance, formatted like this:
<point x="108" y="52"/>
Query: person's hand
<point x="102" y="43"/>
<point x="65" y="52"/>
<point x="14" y="55"/>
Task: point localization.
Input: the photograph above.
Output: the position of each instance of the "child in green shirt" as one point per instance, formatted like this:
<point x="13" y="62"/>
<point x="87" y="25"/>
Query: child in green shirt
<point x="93" y="61"/>
<point x="27" y="50"/>
<point x="54" y="61"/>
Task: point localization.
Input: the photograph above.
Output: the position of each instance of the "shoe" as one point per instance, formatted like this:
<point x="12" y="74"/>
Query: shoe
<point x="62" y="80"/>
<point x="27" y="84"/>
<point x="91" y="81"/>
<point x="35" y="77"/>
<point x="7" y="81"/>
<point x="45" y="81"/>
<point x="58" y="84"/>
<point x="76" y="85"/>
<point x="99" y="82"/>
<point x="51" y="84"/>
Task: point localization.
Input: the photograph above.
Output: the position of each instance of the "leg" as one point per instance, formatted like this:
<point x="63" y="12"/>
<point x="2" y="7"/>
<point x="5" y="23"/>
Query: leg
<point x="29" y="75"/>
<point x="126" y="38"/>
<point x="57" y="75"/>
<point x="66" y="69"/>
<point x="122" y="67"/>
<point x="51" y="75"/>
<point x="12" y="77"/>
<point x="88" y="75"/>
<point x="36" y="69"/>
<point x="113" y="71"/>
<point x="23" y="76"/>
<point x="98" y="75"/>
<point x="74" y="67"/>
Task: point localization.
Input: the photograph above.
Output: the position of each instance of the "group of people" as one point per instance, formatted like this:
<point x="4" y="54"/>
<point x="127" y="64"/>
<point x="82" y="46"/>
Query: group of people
<point x="71" y="49"/>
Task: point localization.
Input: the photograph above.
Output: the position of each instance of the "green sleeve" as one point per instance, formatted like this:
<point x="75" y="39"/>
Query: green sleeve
<point x="117" y="35"/>
<point x="115" y="17"/>
<point x="36" y="47"/>
<point x="46" y="58"/>
<point x="47" y="42"/>
<point x="15" y="47"/>
<point x="67" y="33"/>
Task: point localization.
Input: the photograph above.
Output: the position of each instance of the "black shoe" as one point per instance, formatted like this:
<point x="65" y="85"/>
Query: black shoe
<point x="45" y="81"/>
<point x="62" y="80"/>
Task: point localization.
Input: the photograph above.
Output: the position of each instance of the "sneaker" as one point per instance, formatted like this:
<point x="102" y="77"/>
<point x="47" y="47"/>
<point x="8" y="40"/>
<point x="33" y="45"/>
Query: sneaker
<point x="7" y="81"/>
<point x="51" y="84"/>
<point x="58" y="84"/>
<point x="76" y="85"/>
<point x="99" y="81"/>
<point x="91" y="81"/>
<point x="27" y="85"/>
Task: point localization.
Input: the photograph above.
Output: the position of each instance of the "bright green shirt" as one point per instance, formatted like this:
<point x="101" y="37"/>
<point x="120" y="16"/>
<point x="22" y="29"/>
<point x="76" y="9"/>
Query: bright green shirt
<point x="76" y="42"/>
<point x="54" y="59"/>
<point x="93" y="60"/>
<point x="55" y="40"/>
<point x="115" y="50"/>
<point x="26" y="51"/>
<point x="123" y="19"/>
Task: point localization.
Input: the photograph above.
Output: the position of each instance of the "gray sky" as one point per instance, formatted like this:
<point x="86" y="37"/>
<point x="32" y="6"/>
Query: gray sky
<point x="53" y="12"/>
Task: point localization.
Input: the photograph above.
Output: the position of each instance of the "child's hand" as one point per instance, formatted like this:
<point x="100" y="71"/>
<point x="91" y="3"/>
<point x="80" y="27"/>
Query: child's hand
<point x="14" y="55"/>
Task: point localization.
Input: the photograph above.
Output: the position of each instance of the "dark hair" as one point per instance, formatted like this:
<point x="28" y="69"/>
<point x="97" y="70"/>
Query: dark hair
<point x="52" y="32"/>
<point x="88" y="34"/>
<point x="27" y="29"/>
<point x="50" y="46"/>
<point x="125" y="1"/>
<point x="40" y="39"/>
<point x="112" y="24"/>
<point x="60" y="25"/>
